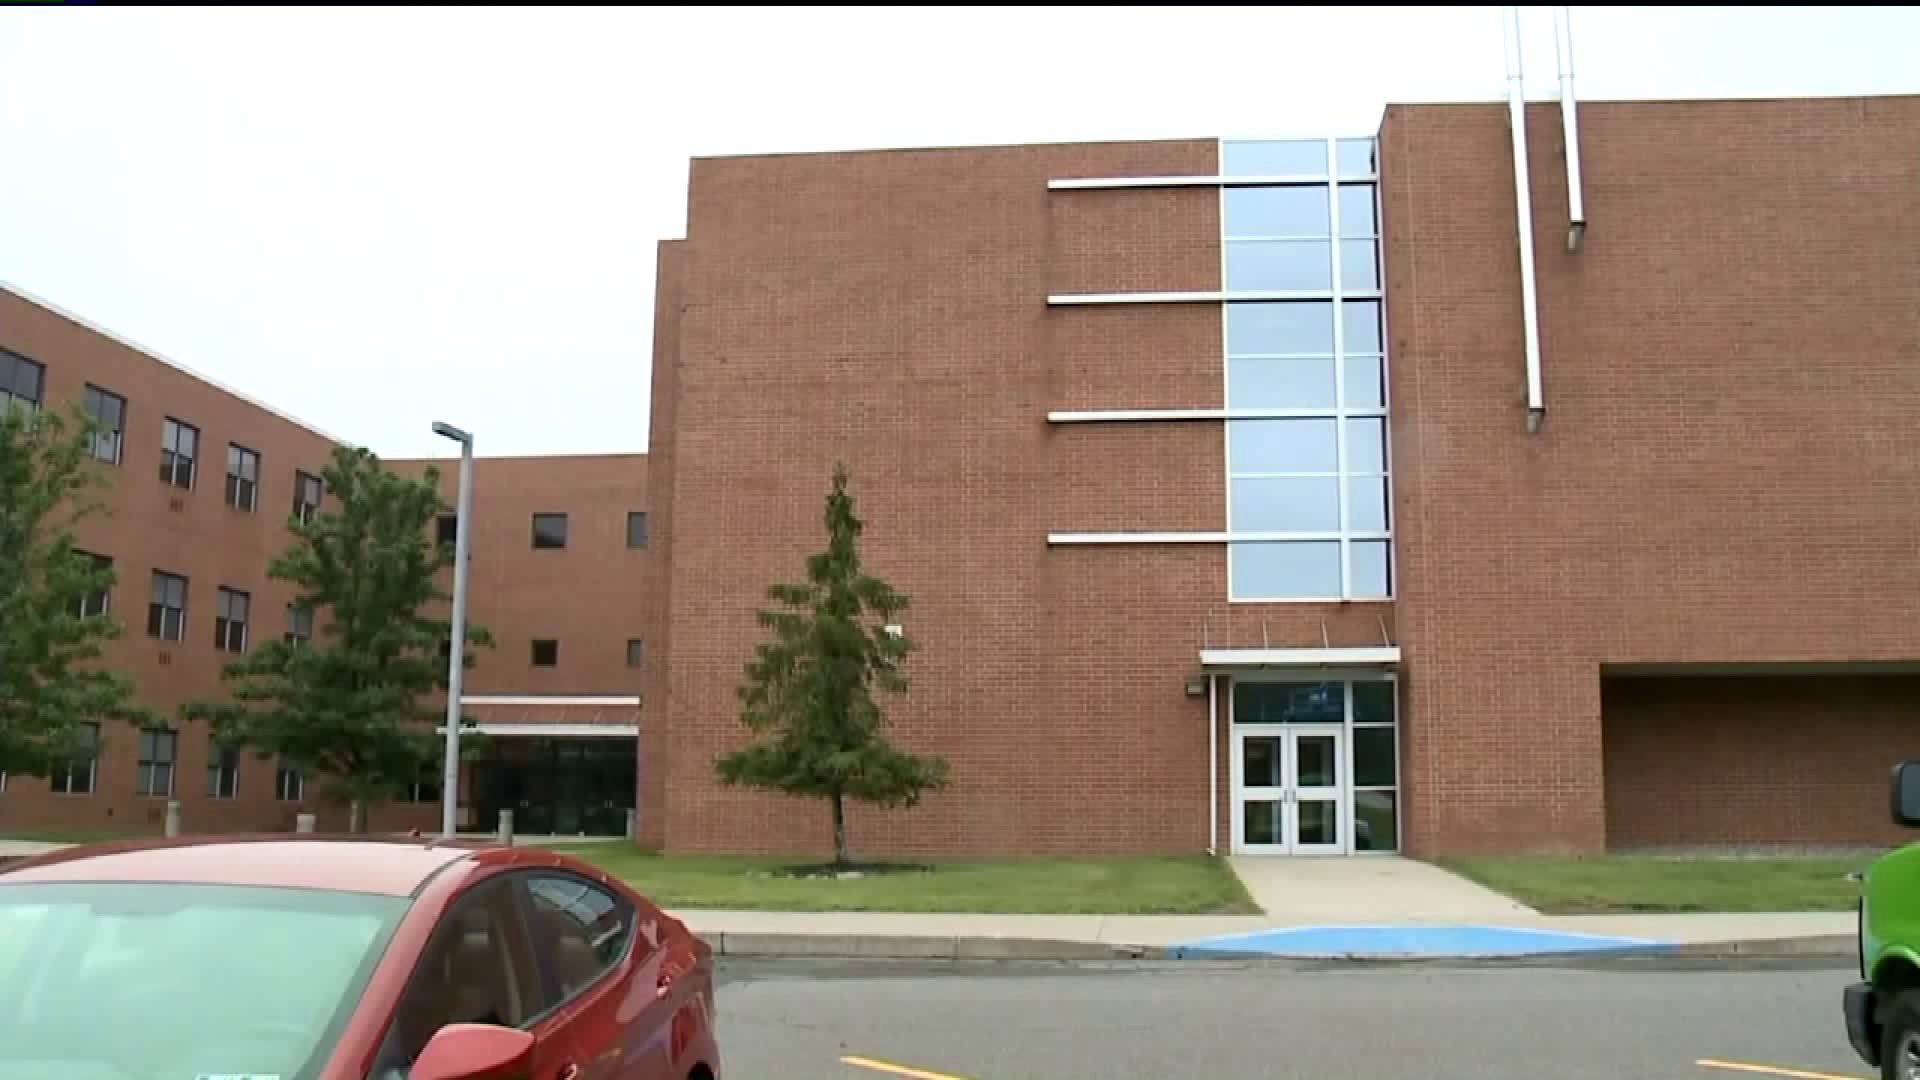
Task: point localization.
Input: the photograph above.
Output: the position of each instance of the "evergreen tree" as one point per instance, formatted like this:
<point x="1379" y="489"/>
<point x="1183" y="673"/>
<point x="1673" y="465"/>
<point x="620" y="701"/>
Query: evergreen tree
<point x="350" y="702"/>
<point x="810" y="689"/>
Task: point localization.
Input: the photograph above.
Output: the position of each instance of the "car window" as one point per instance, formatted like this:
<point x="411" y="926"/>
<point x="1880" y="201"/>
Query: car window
<point x="189" y="979"/>
<point x="580" y="929"/>
<point x="474" y="970"/>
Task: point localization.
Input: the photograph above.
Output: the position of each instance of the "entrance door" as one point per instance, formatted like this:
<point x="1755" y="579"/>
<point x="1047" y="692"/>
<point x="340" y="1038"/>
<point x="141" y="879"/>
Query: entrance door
<point x="1287" y="790"/>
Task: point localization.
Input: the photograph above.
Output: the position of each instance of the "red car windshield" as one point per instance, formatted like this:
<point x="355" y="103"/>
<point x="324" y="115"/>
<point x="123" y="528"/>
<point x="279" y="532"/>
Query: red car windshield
<point x="140" y="981"/>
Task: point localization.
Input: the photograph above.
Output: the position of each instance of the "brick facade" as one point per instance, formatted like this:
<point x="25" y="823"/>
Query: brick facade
<point x="193" y="533"/>
<point x="1726" y="473"/>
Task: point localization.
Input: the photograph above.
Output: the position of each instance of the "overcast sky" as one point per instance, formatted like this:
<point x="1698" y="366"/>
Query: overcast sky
<point x="376" y="218"/>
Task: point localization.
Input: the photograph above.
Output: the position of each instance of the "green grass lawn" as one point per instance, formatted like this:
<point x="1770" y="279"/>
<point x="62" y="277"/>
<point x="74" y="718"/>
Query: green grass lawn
<point x="1175" y="885"/>
<point x="1628" y="884"/>
<point x="70" y="836"/>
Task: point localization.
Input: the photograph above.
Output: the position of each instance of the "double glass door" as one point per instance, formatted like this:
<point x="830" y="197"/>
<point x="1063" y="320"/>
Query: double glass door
<point x="1287" y="789"/>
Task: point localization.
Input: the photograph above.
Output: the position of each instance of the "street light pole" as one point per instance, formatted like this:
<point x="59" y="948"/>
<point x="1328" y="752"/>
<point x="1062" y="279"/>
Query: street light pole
<point x="456" y="652"/>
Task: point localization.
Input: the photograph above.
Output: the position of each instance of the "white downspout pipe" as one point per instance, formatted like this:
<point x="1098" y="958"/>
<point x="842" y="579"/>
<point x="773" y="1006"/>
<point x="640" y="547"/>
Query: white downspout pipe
<point x="1570" y="125"/>
<point x="1213" y="764"/>
<point x="1523" y="205"/>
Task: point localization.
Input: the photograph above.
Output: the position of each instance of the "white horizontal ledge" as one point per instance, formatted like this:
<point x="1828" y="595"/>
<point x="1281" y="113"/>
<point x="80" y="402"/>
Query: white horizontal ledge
<point x="1199" y="536"/>
<point x="1363" y="656"/>
<point x="1108" y="183"/>
<point x="1203" y="297"/>
<point x="1105" y="416"/>
<point x="551" y="700"/>
<point x="551" y="731"/>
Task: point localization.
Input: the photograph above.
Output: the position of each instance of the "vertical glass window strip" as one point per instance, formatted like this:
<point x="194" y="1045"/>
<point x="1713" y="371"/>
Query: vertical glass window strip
<point x="1310" y="480"/>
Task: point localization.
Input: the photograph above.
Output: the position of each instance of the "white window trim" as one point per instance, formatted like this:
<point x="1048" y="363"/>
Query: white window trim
<point x="1108" y="416"/>
<point x="1206" y="296"/>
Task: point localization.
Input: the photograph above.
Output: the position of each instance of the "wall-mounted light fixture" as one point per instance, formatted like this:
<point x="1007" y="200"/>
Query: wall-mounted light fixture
<point x="1196" y="686"/>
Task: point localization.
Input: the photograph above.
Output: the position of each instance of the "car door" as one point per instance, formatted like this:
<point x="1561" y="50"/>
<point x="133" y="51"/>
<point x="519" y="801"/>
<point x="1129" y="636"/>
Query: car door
<point x="600" y="957"/>
<point x="478" y="967"/>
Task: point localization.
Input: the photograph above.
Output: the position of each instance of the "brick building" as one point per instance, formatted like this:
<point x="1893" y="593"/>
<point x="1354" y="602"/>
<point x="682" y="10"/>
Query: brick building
<point x="201" y="482"/>
<point x="1215" y="474"/>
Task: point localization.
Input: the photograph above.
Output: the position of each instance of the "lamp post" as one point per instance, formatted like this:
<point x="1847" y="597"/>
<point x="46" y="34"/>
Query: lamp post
<point x="456" y="652"/>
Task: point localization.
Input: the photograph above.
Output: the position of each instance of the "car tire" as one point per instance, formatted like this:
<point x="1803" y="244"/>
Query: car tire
<point x="1900" y="1038"/>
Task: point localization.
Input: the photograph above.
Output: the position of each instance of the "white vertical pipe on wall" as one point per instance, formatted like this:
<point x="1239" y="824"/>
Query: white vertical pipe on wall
<point x="1570" y="125"/>
<point x="1213" y="764"/>
<point x="1523" y="200"/>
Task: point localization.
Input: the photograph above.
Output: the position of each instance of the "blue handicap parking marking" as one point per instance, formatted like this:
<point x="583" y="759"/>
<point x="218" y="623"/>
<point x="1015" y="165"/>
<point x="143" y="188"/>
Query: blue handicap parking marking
<point x="1432" y="941"/>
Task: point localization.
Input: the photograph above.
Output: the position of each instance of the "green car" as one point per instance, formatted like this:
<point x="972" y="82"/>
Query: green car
<point x="1883" y="1009"/>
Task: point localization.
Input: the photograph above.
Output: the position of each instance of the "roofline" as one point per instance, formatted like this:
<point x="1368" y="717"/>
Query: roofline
<point x="151" y="354"/>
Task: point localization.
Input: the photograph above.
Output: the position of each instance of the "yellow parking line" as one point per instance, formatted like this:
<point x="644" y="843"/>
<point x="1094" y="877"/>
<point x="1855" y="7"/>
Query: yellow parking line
<point x="1772" y="1070"/>
<point x="902" y="1070"/>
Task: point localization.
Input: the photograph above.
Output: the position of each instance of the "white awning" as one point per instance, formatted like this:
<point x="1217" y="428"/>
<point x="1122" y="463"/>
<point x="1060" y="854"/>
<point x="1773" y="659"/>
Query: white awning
<point x="1354" y="657"/>
<point x="567" y="731"/>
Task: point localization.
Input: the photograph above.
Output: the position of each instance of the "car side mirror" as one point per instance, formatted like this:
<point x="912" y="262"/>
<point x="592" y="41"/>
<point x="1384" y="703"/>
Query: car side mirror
<point x="475" y="1052"/>
<point x="1906" y="794"/>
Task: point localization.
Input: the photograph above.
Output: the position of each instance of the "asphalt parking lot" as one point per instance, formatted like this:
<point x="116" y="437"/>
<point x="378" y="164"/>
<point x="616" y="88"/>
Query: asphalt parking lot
<point x="818" y="1020"/>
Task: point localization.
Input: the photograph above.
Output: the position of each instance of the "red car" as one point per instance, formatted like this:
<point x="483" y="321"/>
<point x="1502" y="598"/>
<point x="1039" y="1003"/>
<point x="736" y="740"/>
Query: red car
<point x="356" y="958"/>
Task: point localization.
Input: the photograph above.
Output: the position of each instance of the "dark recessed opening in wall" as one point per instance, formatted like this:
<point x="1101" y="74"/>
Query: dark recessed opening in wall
<point x="546" y="652"/>
<point x="549" y="530"/>
<point x="446" y="529"/>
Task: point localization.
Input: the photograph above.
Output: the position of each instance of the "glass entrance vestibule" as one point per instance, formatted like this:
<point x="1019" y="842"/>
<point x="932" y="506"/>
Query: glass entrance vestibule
<point x="1315" y="765"/>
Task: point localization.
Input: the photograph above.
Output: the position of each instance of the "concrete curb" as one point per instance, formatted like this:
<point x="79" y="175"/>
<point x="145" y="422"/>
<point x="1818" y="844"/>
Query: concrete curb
<point x="911" y="947"/>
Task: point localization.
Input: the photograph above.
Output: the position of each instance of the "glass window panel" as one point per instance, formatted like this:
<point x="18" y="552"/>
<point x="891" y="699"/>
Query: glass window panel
<point x="1360" y="325"/>
<point x="1260" y="821"/>
<point x="1367" y="503"/>
<point x="1278" y="211"/>
<point x="1289" y="703"/>
<point x="1291" y="570"/>
<point x="1373" y="757"/>
<point x="1373" y="821"/>
<point x="1366" y="383"/>
<point x="1316" y="761"/>
<point x="1373" y="702"/>
<point x="1280" y="327"/>
<point x="1260" y="763"/>
<point x="1359" y="267"/>
<point x="1357" y="211"/>
<point x="1358" y="157"/>
<point x="1279" y="265"/>
<point x="1281" y="446"/>
<point x="1318" y="822"/>
<point x="1366" y="446"/>
<point x="1302" y="157"/>
<point x="1285" y="504"/>
<point x="1280" y="383"/>
<point x="1371" y="574"/>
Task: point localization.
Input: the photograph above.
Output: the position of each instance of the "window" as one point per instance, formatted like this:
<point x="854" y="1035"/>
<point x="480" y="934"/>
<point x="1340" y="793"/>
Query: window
<point x="584" y="928"/>
<point x="307" y="492"/>
<point x="230" y="620"/>
<point x="1308" y="503"/>
<point x="243" y="478"/>
<point x="478" y="966"/>
<point x="289" y="785"/>
<point x="636" y="652"/>
<point x="446" y="529"/>
<point x="299" y="625"/>
<point x="636" y="528"/>
<point x="23" y="383"/>
<point x="110" y="411"/>
<point x="546" y="652"/>
<point x="155" y="773"/>
<point x="263" y="959"/>
<point x="96" y="601"/>
<point x="75" y="776"/>
<point x="223" y="772"/>
<point x="179" y="449"/>
<point x="167" y="610"/>
<point x="549" y="530"/>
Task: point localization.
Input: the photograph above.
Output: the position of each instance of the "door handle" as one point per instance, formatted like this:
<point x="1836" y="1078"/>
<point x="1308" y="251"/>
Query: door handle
<point x="663" y="986"/>
<point x="569" y="1072"/>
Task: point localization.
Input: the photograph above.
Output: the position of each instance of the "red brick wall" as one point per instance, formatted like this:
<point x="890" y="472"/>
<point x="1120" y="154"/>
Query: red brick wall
<point x="655" y="747"/>
<point x="1728" y="470"/>
<point x="1756" y="760"/>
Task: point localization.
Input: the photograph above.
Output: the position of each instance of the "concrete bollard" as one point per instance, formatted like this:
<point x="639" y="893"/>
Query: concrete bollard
<point x="303" y="823"/>
<point x="506" y="828"/>
<point x="173" y="817"/>
<point x="633" y="822"/>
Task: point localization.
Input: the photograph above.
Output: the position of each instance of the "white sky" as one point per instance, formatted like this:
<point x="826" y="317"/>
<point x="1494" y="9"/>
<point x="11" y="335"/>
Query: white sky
<point x="376" y="218"/>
